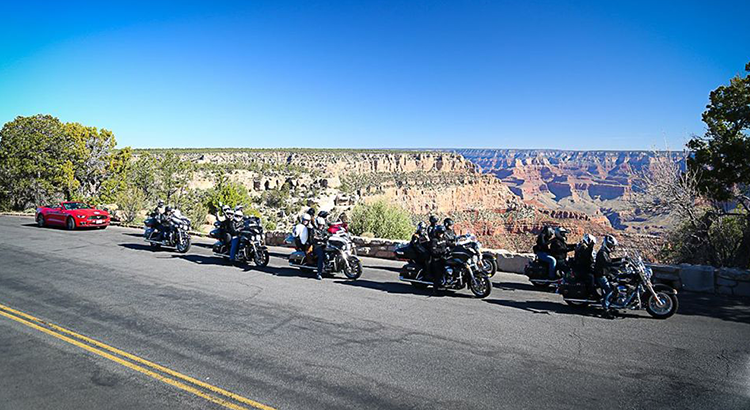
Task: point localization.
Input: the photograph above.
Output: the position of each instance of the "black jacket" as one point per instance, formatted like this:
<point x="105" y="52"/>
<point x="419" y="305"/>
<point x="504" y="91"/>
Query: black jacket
<point x="235" y="226"/>
<point x="450" y="236"/>
<point x="604" y="263"/>
<point x="558" y="249"/>
<point x="542" y="244"/>
<point x="584" y="259"/>
<point x="438" y="247"/>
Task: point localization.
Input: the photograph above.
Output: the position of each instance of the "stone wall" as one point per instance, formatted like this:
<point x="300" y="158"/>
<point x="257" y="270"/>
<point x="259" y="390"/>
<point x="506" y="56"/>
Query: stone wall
<point x="706" y="279"/>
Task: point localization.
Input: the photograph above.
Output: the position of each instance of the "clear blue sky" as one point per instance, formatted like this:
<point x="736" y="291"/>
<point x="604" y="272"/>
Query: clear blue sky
<point x="374" y="74"/>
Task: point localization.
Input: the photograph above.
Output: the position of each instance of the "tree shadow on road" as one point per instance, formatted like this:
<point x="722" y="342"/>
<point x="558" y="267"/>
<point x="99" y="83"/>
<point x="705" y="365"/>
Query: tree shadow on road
<point x="730" y="308"/>
<point x="400" y="288"/>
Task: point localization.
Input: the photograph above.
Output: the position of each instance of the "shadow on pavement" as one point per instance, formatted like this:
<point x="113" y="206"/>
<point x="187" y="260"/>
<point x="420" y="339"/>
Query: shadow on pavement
<point x="400" y="288"/>
<point x="142" y="247"/>
<point x="204" y="260"/>
<point x="546" y="308"/>
<point x="520" y="286"/>
<point x="730" y="308"/>
<point x="135" y="235"/>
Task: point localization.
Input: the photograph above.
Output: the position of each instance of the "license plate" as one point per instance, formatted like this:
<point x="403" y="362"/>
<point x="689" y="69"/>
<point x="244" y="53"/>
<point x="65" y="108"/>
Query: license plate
<point x="98" y="221"/>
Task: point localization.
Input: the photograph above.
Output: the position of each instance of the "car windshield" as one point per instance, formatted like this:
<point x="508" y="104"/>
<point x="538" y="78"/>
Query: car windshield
<point x="75" y="205"/>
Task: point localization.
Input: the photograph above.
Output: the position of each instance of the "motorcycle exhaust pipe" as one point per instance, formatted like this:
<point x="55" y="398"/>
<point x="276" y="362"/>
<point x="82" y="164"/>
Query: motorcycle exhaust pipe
<point x="424" y="282"/>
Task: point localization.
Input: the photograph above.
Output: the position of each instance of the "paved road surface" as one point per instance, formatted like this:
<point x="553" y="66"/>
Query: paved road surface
<point x="278" y="337"/>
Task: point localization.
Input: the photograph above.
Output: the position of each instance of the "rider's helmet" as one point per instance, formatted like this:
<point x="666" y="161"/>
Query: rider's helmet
<point x="238" y="215"/>
<point x="311" y="212"/>
<point x="239" y="208"/>
<point x="305" y="218"/>
<point x="448" y="223"/>
<point x="588" y="240"/>
<point x="320" y="222"/>
<point x="609" y="243"/>
<point x="433" y="220"/>
<point x="439" y="231"/>
<point x="561" y="232"/>
<point x="168" y="210"/>
<point x="323" y="214"/>
<point x="160" y="203"/>
<point x="225" y="209"/>
<point x="547" y="232"/>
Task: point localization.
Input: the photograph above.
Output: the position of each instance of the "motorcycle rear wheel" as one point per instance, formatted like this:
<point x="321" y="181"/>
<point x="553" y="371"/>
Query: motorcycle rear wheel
<point x="481" y="286"/>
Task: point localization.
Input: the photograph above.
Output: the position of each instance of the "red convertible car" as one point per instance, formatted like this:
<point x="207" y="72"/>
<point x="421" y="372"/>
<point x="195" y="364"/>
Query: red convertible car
<point x="72" y="215"/>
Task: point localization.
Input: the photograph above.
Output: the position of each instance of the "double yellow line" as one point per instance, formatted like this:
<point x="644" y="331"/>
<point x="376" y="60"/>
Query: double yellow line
<point x="201" y="389"/>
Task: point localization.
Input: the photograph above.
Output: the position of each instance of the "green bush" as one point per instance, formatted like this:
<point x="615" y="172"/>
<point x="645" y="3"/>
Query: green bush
<point x="382" y="219"/>
<point x="226" y="193"/>
<point x="130" y="202"/>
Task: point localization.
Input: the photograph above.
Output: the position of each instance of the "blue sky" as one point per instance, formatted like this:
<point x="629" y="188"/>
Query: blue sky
<point x="486" y="74"/>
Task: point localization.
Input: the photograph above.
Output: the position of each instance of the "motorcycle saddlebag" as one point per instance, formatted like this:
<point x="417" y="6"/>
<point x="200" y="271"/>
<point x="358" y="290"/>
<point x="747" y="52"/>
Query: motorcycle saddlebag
<point x="536" y="269"/>
<point x="406" y="252"/>
<point x="150" y="222"/>
<point x="574" y="291"/>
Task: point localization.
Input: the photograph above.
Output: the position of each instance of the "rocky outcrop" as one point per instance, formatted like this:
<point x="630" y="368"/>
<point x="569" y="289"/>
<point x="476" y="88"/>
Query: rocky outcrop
<point x="597" y="183"/>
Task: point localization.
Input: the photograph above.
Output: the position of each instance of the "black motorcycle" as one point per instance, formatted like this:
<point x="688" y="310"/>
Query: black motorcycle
<point x="174" y="232"/>
<point x="252" y="244"/>
<point x="487" y="262"/>
<point x="632" y="289"/>
<point x="462" y="267"/>
<point x="339" y="254"/>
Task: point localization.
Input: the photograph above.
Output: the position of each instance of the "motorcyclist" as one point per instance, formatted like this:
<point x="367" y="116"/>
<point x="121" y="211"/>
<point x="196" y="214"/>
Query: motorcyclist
<point x="559" y="246"/>
<point x="438" y="251"/>
<point x="583" y="261"/>
<point x="311" y="212"/>
<point x="235" y="227"/>
<point x="450" y="234"/>
<point x="431" y="227"/>
<point x="319" y="238"/>
<point x="157" y="215"/>
<point x="605" y="262"/>
<point x="301" y="234"/>
<point x="543" y="251"/>
<point x="164" y="223"/>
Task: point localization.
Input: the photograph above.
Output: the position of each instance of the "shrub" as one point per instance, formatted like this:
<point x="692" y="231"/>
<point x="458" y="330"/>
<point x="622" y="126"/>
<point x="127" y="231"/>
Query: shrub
<point x="130" y="202"/>
<point x="226" y="193"/>
<point x="382" y="219"/>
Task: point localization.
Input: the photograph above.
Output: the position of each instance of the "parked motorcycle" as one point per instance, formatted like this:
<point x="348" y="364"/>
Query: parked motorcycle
<point x="252" y="245"/>
<point x="488" y="261"/>
<point x="632" y="289"/>
<point x="462" y="266"/>
<point x="339" y="254"/>
<point x="174" y="233"/>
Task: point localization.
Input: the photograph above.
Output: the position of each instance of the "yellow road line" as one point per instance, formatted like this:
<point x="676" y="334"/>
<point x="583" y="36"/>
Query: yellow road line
<point x="140" y="369"/>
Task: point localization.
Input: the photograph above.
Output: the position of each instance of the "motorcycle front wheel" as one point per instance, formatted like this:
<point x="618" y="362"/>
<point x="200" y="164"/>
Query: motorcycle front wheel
<point x="481" y="286"/>
<point x="184" y="243"/>
<point x="261" y="257"/>
<point x="669" y="305"/>
<point x="353" y="268"/>
<point x="489" y="265"/>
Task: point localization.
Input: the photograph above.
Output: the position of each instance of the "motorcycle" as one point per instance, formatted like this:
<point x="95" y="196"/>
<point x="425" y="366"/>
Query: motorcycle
<point x="252" y="245"/>
<point x="339" y="254"/>
<point x="488" y="261"/>
<point x="174" y="233"/>
<point x="462" y="265"/>
<point x="632" y="289"/>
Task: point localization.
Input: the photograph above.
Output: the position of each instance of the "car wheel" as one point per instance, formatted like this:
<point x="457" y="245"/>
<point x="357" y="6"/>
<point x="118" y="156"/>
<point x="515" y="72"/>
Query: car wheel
<point x="40" y="221"/>
<point x="70" y="224"/>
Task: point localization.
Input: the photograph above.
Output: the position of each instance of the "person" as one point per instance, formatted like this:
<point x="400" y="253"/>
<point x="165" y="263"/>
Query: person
<point x="438" y="251"/>
<point x="311" y="212"/>
<point x="301" y="234"/>
<point x="433" y="224"/>
<point x="558" y="246"/>
<point x="583" y="261"/>
<point x="543" y="252"/>
<point x="605" y="262"/>
<point x="235" y="227"/>
<point x="319" y="238"/>
<point x="158" y="216"/>
<point x="450" y="234"/>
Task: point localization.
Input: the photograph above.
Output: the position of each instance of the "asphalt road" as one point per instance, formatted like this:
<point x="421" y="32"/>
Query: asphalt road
<point x="279" y="337"/>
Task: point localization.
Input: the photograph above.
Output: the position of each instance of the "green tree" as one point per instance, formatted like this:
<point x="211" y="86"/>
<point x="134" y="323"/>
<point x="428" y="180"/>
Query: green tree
<point x="228" y="193"/>
<point x="172" y="175"/>
<point x="382" y="219"/>
<point x="130" y="201"/>
<point x="35" y="165"/>
<point x="92" y="154"/>
<point x="721" y="157"/>
<point x="118" y="173"/>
